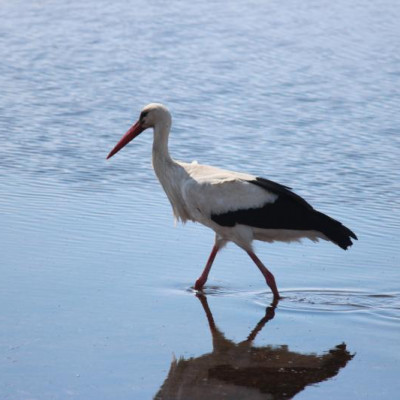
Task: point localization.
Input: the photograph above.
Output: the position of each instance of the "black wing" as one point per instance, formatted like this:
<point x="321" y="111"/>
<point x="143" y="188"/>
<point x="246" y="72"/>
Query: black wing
<point x="289" y="211"/>
<point x="279" y="189"/>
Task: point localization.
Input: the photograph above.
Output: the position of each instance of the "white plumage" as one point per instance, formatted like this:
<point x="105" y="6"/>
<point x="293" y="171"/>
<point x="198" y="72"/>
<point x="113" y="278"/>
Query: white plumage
<point x="239" y="207"/>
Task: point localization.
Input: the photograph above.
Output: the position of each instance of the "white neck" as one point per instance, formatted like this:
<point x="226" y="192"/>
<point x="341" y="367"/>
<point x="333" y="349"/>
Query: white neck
<point x="160" y="141"/>
<point x="169" y="172"/>
<point x="162" y="161"/>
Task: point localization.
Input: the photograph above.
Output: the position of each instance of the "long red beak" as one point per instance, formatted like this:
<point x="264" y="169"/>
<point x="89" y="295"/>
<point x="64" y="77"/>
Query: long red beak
<point x="133" y="131"/>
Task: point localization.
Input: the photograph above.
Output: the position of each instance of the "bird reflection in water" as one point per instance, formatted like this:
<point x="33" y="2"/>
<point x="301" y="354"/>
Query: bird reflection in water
<point x="243" y="371"/>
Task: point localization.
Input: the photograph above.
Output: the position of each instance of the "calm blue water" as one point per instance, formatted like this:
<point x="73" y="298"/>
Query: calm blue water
<point x="95" y="298"/>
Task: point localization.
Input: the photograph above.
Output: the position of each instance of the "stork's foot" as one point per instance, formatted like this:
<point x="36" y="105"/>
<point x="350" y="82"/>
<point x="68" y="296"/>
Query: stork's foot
<point x="199" y="284"/>
<point x="203" y="278"/>
<point x="272" y="285"/>
<point x="269" y="278"/>
<point x="277" y="297"/>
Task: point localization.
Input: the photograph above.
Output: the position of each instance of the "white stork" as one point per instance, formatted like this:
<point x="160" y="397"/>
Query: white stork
<point x="239" y="207"/>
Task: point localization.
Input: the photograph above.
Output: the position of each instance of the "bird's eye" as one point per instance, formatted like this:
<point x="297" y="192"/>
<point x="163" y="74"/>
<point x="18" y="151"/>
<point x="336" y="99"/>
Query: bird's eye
<point x="143" y="114"/>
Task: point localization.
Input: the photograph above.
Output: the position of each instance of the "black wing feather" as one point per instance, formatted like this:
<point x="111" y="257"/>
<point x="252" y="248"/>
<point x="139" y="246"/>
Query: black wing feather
<point x="289" y="211"/>
<point x="279" y="189"/>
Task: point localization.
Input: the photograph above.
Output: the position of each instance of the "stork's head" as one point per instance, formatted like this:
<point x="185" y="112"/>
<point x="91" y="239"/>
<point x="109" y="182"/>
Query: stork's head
<point x="152" y="115"/>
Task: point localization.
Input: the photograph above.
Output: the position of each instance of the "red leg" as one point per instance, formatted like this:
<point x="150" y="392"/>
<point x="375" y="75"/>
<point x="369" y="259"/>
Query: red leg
<point x="267" y="274"/>
<point x="203" y="278"/>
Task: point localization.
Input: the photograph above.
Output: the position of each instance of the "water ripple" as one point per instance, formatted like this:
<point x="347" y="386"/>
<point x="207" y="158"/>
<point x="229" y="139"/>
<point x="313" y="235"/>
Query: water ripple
<point x="319" y="300"/>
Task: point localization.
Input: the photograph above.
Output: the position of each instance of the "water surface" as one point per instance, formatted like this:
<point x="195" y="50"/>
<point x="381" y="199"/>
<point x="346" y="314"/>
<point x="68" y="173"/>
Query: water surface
<point x="95" y="290"/>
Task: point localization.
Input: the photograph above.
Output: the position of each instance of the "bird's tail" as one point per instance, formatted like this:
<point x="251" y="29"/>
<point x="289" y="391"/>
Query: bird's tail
<point x="334" y="230"/>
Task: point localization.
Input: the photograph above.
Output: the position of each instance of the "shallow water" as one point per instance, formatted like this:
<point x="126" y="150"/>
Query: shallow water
<point x="95" y="290"/>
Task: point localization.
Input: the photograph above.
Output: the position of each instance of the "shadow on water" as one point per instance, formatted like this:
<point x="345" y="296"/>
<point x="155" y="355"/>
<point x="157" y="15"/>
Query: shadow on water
<point x="241" y="370"/>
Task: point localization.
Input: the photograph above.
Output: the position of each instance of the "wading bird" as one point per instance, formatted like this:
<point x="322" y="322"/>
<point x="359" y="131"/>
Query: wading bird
<point x="239" y="207"/>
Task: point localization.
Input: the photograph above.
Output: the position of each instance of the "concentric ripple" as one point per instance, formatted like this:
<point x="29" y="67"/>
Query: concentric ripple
<point x="315" y="300"/>
<point x="320" y="300"/>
